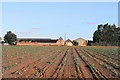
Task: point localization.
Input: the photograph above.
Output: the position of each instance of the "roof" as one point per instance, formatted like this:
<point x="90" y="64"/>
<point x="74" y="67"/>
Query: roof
<point x="60" y="38"/>
<point x="34" y="39"/>
<point x="68" y="40"/>
<point x="38" y="40"/>
<point x="79" y="39"/>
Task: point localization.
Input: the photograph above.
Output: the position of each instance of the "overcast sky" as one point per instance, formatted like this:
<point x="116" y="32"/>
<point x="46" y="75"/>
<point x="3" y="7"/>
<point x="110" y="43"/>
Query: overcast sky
<point x="54" y="19"/>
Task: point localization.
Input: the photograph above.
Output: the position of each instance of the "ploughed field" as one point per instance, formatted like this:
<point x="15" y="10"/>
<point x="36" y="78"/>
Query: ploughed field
<point x="60" y="62"/>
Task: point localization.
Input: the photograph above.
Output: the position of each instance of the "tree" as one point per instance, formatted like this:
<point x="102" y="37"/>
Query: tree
<point x="10" y="38"/>
<point x="97" y="36"/>
<point x="0" y="38"/>
<point x="75" y="43"/>
<point x="100" y="27"/>
<point x="106" y="34"/>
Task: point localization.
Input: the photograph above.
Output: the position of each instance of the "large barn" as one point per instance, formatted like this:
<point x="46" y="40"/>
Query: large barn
<point x="81" y="42"/>
<point x="33" y="41"/>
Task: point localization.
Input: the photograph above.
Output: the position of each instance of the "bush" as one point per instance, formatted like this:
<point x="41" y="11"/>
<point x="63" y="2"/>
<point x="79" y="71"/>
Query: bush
<point x="105" y="44"/>
<point x="75" y="43"/>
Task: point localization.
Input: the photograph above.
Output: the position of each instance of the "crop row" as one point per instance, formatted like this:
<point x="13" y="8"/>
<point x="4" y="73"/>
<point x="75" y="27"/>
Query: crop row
<point x="92" y="65"/>
<point x="104" y="59"/>
<point x="104" y="65"/>
<point x="64" y="61"/>
<point x="109" y="52"/>
<point x="41" y="71"/>
<point x="16" y="63"/>
<point x="61" y="65"/>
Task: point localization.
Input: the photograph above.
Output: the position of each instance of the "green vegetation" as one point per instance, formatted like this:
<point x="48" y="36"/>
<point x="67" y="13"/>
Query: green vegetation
<point x="104" y="59"/>
<point x="106" y="35"/>
<point x="11" y="52"/>
<point x="65" y="58"/>
<point x="105" y="44"/>
<point x="104" y="65"/>
<point x="107" y="52"/>
<point x="94" y="57"/>
<point x="10" y="38"/>
<point x="0" y="38"/>
<point x="75" y="59"/>
<point x="75" y="43"/>
<point x="92" y="65"/>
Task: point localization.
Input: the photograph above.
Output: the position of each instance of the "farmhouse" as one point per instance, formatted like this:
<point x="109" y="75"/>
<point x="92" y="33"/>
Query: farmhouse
<point x="81" y="42"/>
<point x="60" y="41"/>
<point x="68" y="42"/>
<point x="33" y="41"/>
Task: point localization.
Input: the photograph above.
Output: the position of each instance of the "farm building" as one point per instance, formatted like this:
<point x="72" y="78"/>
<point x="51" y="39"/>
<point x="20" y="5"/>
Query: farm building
<point x="68" y="42"/>
<point x="81" y="42"/>
<point x="32" y="41"/>
<point x="60" y="41"/>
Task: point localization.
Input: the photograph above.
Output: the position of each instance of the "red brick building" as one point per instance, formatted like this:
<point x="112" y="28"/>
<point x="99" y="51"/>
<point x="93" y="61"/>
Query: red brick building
<point x="60" y="41"/>
<point x="81" y="42"/>
<point x="32" y="41"/>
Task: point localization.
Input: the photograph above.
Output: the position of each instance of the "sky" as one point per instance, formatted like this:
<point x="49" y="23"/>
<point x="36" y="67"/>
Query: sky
<point x="55" y="19"/>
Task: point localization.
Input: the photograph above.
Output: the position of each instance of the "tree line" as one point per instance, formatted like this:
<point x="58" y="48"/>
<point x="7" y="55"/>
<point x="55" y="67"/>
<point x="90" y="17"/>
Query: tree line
<point x="107" y="35"/>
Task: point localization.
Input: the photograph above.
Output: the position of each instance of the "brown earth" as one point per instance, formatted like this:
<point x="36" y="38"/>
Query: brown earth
<point x="59" y="63"/>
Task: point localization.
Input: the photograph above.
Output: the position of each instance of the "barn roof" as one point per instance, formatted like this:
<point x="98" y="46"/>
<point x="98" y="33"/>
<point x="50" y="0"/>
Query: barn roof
<point x="35" y="39"/>
<point x="68" y="40"/>
<point x="60" y="38"/>
<point x="38" y="40"/>
<point x="79" y="39"/>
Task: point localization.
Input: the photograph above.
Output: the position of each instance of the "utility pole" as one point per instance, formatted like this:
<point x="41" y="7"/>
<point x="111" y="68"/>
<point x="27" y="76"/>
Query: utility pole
<point x="65" y="37"/>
